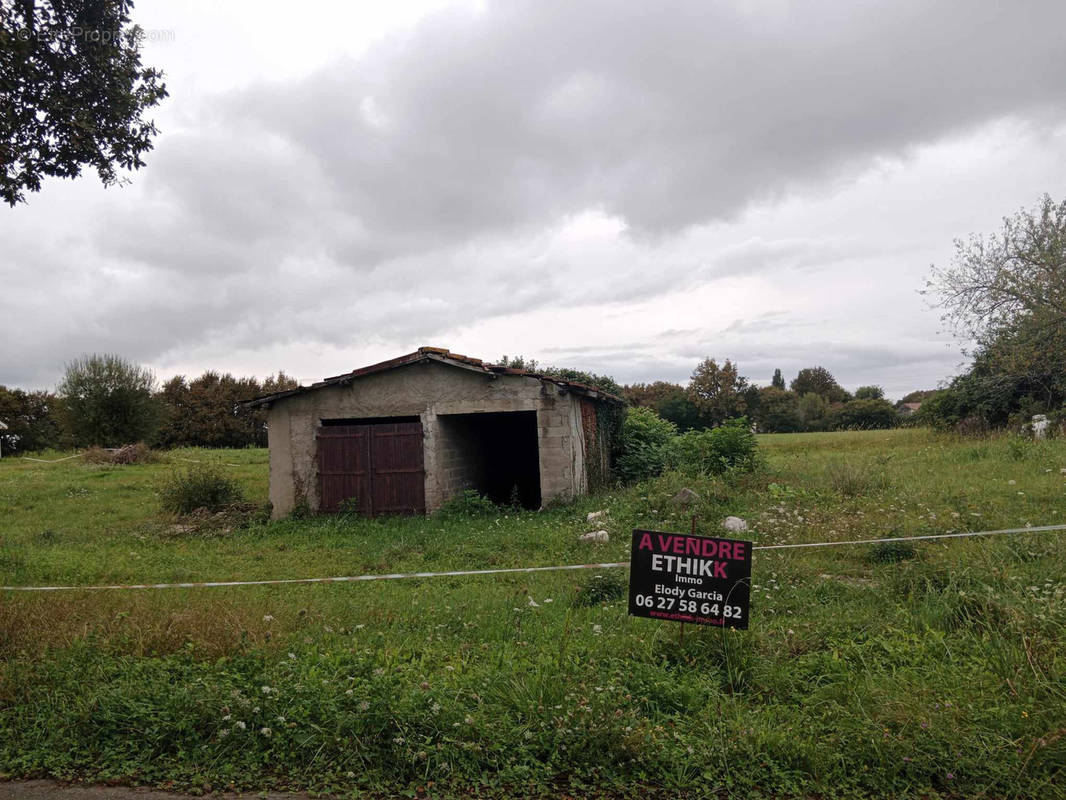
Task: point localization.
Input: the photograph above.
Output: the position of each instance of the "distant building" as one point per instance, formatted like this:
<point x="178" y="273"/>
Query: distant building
<point x="906" y="409"/>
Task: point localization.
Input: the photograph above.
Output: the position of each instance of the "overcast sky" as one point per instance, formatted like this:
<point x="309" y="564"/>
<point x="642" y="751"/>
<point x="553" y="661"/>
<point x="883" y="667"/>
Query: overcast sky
<point x="624" y="187"/>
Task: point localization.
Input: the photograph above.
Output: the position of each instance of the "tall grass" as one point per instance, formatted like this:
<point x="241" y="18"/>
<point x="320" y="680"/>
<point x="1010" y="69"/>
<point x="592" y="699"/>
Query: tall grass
<point x="867" y="672"/>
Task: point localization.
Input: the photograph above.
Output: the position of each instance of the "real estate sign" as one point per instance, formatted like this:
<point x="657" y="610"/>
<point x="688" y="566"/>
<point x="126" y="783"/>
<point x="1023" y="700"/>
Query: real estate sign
<point x="687" y="578"/>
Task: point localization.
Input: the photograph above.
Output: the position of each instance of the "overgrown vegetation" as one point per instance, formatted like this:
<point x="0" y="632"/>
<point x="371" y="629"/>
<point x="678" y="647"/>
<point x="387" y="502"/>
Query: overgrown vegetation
<point x="649" y="444"/>
<point x="203" y="486"/>
<point x="642" y="444"/>
<point x="714" y="450"/>
<point x="868" y="671"/>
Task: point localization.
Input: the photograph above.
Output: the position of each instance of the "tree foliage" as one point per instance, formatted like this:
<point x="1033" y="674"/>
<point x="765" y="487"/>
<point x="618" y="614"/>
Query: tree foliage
<point x="1005" y="293"/>
<point x="813" y="410"/>
<point x="778" y="411"/>
<point x="718" y="392"/>
<point x="32" y="421"/>
<point x="74" y="91"/>
<point x="778" y="381"/>
<point x="819" y="381"/>
<point x="1018" y="274"/>
<point x="669" y="400"/>
<point x="863" y="414"/>
<point x="204" y="411"/>
<point x="869" y="393"/>
<point x="108" y="401"/>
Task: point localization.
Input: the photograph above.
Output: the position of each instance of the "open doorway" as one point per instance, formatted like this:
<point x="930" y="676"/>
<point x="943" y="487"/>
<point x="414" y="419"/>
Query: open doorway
<point x="495" y="454"/>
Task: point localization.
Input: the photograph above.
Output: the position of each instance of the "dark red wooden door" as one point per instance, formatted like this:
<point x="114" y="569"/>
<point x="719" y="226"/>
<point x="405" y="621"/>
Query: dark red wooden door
<point x="379" y="465"/>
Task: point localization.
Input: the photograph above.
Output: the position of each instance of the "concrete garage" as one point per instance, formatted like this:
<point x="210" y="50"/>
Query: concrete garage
<point x="405" y="435"/>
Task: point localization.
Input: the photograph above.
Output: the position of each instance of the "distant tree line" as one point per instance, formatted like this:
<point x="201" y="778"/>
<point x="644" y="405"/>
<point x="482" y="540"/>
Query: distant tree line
<point x="813" y="401"/>
<point x="108" y="401"/>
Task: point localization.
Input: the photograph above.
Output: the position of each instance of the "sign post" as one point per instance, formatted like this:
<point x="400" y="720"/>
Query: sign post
<point x="687" y="578"/>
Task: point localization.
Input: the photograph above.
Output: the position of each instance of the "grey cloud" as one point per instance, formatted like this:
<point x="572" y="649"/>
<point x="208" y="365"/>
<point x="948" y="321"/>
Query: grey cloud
<point x="664" y="117"/>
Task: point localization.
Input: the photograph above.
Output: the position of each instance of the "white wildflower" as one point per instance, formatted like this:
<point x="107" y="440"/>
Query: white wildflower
<point x="265" y="731"/>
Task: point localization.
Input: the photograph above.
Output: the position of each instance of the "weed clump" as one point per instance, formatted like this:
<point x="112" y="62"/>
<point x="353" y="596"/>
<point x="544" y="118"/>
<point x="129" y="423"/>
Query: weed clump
<point x="199" y="487"/>
<point x="600" y="589"/>
<point x="854" y="480"/>
<point x="468" y="503"/>
<point x="1018" y="448"/>
<point x="891" y="553"/>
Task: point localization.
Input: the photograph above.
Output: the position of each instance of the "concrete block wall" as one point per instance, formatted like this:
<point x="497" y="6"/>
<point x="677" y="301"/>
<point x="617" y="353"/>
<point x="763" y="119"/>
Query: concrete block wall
<point x="459" y="462"/>
<point x="562" y="468"/>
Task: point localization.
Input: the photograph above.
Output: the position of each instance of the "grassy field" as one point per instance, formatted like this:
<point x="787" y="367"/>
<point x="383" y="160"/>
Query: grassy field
<point x="882" y="671"/>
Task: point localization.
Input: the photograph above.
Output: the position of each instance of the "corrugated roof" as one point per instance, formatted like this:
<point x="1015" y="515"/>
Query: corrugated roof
<point x="444" y="356"/>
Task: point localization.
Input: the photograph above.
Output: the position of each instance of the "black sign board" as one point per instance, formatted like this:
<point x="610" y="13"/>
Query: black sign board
<point x="686" y="578"/>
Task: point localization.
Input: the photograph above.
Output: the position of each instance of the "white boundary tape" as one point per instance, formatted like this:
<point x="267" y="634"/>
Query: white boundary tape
<point x="504" y="571"/>
<point x="79" y="455"/>
<point x="52" y="460"/>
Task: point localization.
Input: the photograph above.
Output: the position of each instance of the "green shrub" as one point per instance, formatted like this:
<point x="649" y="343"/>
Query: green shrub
<point x="641" y="444"/>
<point x="712" y="451"/>
<point x="468" y="503"/>
<point x="202" y="486"/>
